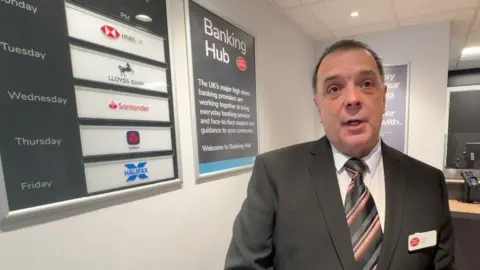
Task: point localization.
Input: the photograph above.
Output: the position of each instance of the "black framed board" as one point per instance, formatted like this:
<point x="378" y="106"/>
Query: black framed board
<point x="86" y="100"/>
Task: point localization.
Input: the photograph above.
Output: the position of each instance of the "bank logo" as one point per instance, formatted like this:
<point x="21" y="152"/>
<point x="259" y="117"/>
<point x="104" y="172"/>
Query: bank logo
<point x="124" y="69"/>
<point x="110" y="31"/>
<point x="122" y="79"/>
<point x="113" y="105"/>
<point x="128" y="107"/>
<point x="133" y="138"/>
<point x="136" y="170"/>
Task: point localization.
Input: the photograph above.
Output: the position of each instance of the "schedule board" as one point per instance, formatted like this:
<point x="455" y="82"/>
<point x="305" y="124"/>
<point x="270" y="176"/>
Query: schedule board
<point x="86" y="101"/>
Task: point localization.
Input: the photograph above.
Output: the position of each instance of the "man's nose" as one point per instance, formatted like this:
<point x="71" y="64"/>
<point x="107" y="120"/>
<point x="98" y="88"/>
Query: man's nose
<point x="352" y="96"/>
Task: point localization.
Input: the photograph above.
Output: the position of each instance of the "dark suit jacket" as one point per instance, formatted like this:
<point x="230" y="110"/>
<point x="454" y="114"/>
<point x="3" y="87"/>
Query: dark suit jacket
<point x="293" y="216"/>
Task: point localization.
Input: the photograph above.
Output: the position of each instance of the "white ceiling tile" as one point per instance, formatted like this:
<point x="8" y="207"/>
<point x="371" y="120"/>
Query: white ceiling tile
<point x="321" y="35"/>
<point x="310" y="1"/>
<point x="335" y="14"/>
<point x="461" y="19"/>
<point x="287" y="3"/>
<point x="365" y="29"/>
<point x="476" y="23"/>
<point x="473" y="39"/>
<point x="413" y="8"/>
<point x="304" y="18"/>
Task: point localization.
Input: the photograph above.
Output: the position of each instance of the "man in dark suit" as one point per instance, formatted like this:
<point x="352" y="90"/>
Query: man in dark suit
<point x="347" y="201"/>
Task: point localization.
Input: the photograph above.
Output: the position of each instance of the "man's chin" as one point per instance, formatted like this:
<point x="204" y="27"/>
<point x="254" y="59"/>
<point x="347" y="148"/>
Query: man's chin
<point x="357" y="143"/>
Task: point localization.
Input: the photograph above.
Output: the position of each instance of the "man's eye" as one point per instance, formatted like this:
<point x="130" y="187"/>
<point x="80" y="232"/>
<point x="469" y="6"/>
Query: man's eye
<point x="367" y="84"/>
<point x="333" y="89"/>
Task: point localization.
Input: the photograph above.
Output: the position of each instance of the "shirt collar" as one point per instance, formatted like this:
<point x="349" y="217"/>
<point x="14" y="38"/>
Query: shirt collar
<point x="371" y="160"/>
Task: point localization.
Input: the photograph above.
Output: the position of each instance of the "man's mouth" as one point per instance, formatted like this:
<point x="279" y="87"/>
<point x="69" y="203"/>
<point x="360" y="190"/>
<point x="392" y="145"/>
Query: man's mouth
<point x="353" y="122"/>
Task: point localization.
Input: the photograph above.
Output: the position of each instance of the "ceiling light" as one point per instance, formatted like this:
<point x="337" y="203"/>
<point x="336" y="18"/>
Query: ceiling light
<point x="143" y="18"/>
<point x="354" y="14"/>
<point x="471" y="53"/>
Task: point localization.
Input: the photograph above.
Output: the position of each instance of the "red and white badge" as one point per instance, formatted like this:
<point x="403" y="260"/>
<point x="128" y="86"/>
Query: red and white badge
<point x="422" y="240"/>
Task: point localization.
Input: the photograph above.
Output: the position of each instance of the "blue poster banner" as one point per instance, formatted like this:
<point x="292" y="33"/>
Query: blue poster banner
<point x="394" y="124"/>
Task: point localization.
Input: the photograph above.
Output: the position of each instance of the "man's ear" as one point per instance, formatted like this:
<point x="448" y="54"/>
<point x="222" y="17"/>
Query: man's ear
<point x="319" y="110"/>
<point x="317" y="104"/>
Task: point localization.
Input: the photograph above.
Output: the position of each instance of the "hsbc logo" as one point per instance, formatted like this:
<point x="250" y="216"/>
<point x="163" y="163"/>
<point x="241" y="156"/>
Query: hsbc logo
<point x="128" y="107"/>
<point x="112" y="33"/>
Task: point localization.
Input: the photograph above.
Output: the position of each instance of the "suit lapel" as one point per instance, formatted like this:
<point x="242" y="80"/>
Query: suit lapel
<point x="395" y="184"/>
<point x="322" y="169"/>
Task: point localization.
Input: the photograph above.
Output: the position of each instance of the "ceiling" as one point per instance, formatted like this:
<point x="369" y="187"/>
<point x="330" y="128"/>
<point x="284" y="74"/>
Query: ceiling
<point x="324" y="19"/>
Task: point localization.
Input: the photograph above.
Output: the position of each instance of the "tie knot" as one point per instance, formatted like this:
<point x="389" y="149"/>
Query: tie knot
<point x="356" y="165"/>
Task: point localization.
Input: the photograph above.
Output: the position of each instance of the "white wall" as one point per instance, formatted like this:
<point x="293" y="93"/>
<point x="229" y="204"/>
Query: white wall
<point x="188" y="228"/>
<point x="426" y="48"/>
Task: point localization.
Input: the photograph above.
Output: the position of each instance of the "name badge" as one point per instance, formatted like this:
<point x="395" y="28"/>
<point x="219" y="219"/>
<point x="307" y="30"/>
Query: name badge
<point x="422" y="240"/>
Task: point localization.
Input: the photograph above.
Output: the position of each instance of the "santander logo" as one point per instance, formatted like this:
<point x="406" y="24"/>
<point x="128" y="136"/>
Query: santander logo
<point x="113" y="105"/>
<point x="110" y="31"/>
<point x="128" y="107"/>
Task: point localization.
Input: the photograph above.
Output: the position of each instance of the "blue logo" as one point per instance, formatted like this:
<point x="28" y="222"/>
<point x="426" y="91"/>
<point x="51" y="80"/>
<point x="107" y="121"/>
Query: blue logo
<point x="136" y="170"/>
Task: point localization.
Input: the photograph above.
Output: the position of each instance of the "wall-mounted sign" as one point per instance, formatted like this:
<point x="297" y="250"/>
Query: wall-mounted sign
<point x="84" y="102"/>
<point x="105" y="140"/>
<point x="100" y="67"/>
<point x="91" y="27"/>
<point x="394" y="125"/>
<point x="104" y="176"/>
<point x="105" y="104"/>
<point x="224" y="79"/>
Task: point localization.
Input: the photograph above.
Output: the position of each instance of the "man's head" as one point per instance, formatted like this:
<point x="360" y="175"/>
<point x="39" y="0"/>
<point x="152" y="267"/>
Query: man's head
<point x="350" y="93"/>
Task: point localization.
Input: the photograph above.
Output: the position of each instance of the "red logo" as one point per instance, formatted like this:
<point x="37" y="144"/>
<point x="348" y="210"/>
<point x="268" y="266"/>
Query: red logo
<point x="133" y="137"/>
<point x="414" y="242"/>
<point x="128" y="107"/>
<point x="113" y="105"/>
<point x="241" y="63"/>
<point x="110" y="31"/>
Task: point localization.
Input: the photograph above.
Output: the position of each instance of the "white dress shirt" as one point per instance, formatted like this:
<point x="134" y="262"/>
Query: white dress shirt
<point x="374" y="177"/>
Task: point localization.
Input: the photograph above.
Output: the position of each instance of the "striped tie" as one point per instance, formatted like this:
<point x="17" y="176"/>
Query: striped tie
<point x="362" y="218"/>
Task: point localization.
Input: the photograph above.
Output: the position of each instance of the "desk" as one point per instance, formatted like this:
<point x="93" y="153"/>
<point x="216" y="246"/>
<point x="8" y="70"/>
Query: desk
<point x="467" y="208"/>
<point x="466" y="222"/>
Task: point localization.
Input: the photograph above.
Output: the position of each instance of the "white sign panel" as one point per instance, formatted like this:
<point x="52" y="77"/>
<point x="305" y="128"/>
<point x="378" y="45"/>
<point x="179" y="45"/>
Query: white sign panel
<point x="91" y="27"/>
<point x="121" y="173"/>
<point x="104" y="140"/>
<point x="106" y="104"/>
<point x="101" y="67"/>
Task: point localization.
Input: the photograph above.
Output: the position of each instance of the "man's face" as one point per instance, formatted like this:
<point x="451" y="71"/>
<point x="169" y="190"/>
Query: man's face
<point x="350" y="99"/>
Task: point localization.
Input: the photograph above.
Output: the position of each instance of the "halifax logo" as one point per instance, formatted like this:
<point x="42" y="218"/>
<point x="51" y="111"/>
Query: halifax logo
<point x="134" y="171"/>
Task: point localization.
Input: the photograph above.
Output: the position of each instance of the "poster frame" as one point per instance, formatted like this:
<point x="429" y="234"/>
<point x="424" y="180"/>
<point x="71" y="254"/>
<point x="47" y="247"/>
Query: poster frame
<point x="407" y="100"/>
<point x="238" y="170"/>
<point x="43" y="213"/>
